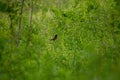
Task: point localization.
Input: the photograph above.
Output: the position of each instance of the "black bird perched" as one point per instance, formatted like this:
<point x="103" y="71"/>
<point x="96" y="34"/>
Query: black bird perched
<point x="54" y="38"/>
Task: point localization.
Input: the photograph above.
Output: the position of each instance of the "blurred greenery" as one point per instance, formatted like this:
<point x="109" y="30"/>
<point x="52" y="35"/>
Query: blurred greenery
<point x="87" y="46"/>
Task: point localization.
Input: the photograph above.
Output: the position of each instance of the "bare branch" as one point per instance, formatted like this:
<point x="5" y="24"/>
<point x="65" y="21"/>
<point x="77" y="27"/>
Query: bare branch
<point x="30" y="22"/>
<point x="19" y="24"/>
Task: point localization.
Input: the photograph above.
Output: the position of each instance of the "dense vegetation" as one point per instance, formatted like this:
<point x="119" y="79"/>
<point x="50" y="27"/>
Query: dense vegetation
<point x="87" y="46"/>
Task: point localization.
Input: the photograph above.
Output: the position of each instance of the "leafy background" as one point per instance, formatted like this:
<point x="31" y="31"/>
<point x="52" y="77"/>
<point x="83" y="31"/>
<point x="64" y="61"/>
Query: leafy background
<point x="87" y="47"/>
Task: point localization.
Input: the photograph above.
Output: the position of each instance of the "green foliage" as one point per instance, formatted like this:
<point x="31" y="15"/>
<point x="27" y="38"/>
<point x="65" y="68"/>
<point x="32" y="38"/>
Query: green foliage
<point x="87" y="47"/>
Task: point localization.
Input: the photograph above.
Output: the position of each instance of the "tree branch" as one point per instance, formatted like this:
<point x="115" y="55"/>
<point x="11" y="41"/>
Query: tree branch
<point x="19" y="24"/>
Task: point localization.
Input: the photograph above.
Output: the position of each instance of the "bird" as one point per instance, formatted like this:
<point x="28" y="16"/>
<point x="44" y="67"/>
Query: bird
<point x="54" y="38"/>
